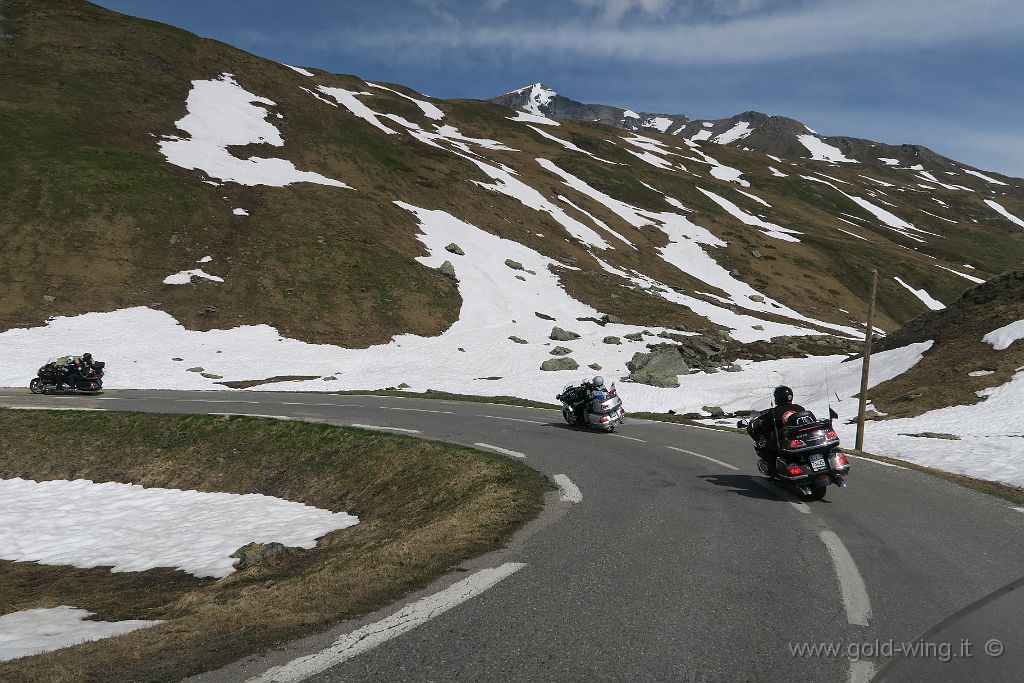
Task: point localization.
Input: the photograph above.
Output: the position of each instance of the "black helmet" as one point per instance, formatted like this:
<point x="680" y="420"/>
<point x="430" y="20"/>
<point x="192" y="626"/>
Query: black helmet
<point x="782" y="395"/>
<point x="87" y="357"/>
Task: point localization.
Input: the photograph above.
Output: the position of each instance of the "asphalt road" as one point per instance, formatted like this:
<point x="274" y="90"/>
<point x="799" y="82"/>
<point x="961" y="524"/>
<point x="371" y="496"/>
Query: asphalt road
<point x="673" y="566"/>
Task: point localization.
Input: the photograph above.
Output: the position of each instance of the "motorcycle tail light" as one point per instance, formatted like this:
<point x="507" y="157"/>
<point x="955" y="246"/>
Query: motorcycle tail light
<point x="843" y="460"/>
<point x="604" y="419"/>
<point x="832" y="435"/>
<point x="796" y="443"/>
<point x="795" y="470"/>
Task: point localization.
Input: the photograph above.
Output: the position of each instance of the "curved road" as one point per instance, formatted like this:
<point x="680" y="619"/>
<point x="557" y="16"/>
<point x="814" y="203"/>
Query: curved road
<point x="679" y="563"/>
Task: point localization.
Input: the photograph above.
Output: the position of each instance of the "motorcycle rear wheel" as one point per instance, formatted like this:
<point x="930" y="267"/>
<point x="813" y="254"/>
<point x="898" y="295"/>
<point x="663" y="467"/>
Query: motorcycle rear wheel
<point x="818" y="493"/>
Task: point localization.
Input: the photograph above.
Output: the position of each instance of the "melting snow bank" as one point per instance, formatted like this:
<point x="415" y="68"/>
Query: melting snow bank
<point x="1005" y="335"/>
<point x="185" y="276"/>
<point x="131" y="528"/>
<point x="34" y="631"/>
<point x="223" y="114"/>
<point x="926" y="298"/>
<point x="1001" y="210"/>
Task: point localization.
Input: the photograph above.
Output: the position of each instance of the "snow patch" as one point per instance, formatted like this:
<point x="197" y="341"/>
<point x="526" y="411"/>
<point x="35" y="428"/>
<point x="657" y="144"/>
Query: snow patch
<point x="924" y="296"/>
<point x="1001" y="338"/>
<point x="431" y="111"/>
<point x="983" y="176"/>
<point x="131" y="528"/>
<point x="34" y="631"/>
<point x="822" y="151"/>
<point x="1004" y="213"/>
<point x="770" y="229"/>
<point x="299" y="69"/>
<point x="737" y="132"/>
<point x="240" y="212"/>
<point x="184" y="277"/>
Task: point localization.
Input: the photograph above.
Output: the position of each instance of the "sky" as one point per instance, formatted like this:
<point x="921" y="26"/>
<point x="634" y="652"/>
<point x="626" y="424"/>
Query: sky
<point x="939" y="73"/>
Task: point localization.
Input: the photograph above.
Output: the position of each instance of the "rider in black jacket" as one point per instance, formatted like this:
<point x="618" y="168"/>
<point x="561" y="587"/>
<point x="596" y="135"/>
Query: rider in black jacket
<point x="764" y="428"/>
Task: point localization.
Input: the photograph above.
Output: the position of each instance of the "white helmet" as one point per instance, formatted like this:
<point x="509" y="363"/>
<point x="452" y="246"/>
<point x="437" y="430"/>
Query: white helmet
<point x="598" y="381"/>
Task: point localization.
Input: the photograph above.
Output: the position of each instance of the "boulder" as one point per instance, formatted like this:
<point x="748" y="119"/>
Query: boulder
<point x="714" y="411"/>
<point x="518" y="340"/>
<point x="701" y="352"/>
<point x="612" y="340"/>
<point x="732" y="367"/>
<point x="613" y="319"/>
<point x="448" y="270"/>
<point x="756" y="297"/>
<point x="594" y="366"/>
<point x="558" y="334"/>
<point x="543" y="316"/>
<point x="935" y="435"/>
<point x="514" y="265"/>
<point x="564" y="363"/>
<point x="635" y="336"/>
<point x="659" y="368"/>
<point x="455" y="249"/>
<point x="254" y="553"/>
<point x="560" y="351"/>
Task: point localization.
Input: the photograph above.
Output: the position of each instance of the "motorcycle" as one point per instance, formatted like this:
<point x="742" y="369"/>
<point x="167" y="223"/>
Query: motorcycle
<point x="88" y="381"/>
<point x="807" y="458"/>
<point x="601" y="410"/>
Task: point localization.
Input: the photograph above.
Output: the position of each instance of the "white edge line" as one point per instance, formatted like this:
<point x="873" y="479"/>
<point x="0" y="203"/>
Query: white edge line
<point x="855" y="593"/>
<point x="499" y="449"/>
<point x="570" y="492"/>
<point x="513" y="419"/>
<point x="801" y="506"/>
<point x="861" y="671"/>
<point x="877" y="462"/>
<point x="416" y="410"/>
<point x="269" y="417"/>
<point x="631" y="438"/>
<point x="698" y="455"/>
<point x="1019" y="509"/>
<point x="372" y="635"/>
<point x="52" y="408"/>
<point x="388" y="429"/>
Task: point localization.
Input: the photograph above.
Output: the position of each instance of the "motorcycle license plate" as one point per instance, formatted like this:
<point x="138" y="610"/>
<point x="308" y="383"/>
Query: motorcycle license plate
<point x="818" y="464"/>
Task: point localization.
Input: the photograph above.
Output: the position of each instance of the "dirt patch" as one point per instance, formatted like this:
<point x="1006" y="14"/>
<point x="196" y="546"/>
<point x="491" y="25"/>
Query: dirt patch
<point x="423" y="508"/>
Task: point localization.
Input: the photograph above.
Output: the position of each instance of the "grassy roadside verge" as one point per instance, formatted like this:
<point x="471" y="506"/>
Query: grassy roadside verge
<point x="423" y="506"/>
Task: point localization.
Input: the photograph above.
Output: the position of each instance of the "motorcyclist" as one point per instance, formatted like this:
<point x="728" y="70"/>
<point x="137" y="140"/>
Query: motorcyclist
<point x="764" y="428"/>
<point x="588" y="387"/>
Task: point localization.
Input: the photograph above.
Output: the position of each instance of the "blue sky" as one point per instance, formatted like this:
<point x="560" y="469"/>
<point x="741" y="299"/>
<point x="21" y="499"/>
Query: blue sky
<point x="940" y="73"/>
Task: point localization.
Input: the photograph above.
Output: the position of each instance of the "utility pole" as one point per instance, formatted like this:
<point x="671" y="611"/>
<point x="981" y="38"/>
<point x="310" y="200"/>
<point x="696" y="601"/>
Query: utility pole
<point x="867" y="363"/>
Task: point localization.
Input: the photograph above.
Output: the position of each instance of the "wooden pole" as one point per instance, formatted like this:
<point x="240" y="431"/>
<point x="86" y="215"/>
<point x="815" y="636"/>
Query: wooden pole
<point x="867" y="363"/>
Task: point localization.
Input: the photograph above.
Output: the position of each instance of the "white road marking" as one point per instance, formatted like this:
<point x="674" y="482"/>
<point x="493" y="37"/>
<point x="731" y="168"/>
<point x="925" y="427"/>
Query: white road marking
<point x="368" y="637"/>
<point x="801" y="506"/>
<point x="388" y="429"/>
<point x="52" y="408"/>
<point x="271" y="417"/>
<point x="505" y="451"/>
<point x="877" y="462"/>
<point x="513" y="419"/>
<point x="631" y="438"/>
<point x="213" y="400"/>
<point x="861" y="671"/>
<point x="570" y="492"/>
<point x="698" y="455"/>
<point x="417" y="410"/>
<point x="855" y="593"/>
<point x="1019" y="509"/>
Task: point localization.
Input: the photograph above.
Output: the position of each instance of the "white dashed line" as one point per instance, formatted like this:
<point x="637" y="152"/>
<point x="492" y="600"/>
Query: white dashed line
<point x="269" y="417"/>
<point x="417" y="410"/>
<point x="513" y="419"/>
<point x="570" y="492"/>
<point x="698" y="455"/>
<point x="631" y="438"/>
<point x="861" y="671"/>
<point x="403" y="621"/>
<point x="499" y="449"/>
<point x="802" y="507"/>
<point x="855" y="593"/>
<point x="213" y="400"/>
<point x="53" y="408"/>
<point x="388" y="429"/>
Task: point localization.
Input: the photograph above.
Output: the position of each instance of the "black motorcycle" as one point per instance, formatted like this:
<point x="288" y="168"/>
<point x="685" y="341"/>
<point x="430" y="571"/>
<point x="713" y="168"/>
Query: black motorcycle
<point x="807" y="456"/>
<point x="49" y="377"/>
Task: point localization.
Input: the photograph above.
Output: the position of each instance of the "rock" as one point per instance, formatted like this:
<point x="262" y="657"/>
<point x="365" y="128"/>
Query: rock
<point x="520" y="277"/>
<point x="755" y="253"/>
<point x="49" y="298"/>
<point x="514" y="265"/>
<point x="210" y="375"/>
<point x="542" y="316"/>
<point x="195" y="369"/>
<point x="560" y="351"/>
<point x="613" y="319"/>
<point x="635" y="336"/>
<point x="733" y="368"/>
<point x="872" y="415"/>
<point x="756" y="297"/>
<point x="178" y="359"/>
<point x="558" y="334"/>
<point x="559" y="364"/>
<point x="714" y="411"/>
<point x="330" y="378"/>
<point x="455" y="249"/>
<point x="448" y="270"/>
<point x="648" y="333"/>
<point x="612" y="340"/>
<point x="701" y="352"/>
<point x="659" y="368"/>
<point x="254" y="553"/>
<point x="403" y="385"/>
<point x="935" y="435"/>
<point x="734" y="273"/>
<point x="518" y="340"/>
<point x="757" y="327"/>
<point x="594" y="366"/>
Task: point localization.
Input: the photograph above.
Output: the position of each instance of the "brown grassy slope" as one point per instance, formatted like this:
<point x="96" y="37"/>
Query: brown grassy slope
<point x="423" y="508"/>
<point x="97" y="217"/>
<point x="941" y="378"/>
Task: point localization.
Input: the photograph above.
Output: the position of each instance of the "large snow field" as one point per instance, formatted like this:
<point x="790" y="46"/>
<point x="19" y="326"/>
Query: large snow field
<point x="822" y="151"/>
<point x="221" y="114"/>
<point x="33" y="631"/>
<point x="132" y="528"/>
